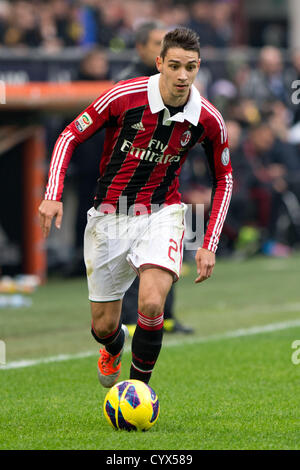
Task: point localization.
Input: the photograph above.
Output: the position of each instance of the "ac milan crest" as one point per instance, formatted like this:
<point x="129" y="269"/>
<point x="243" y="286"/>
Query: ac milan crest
<point x="185" y="138"/>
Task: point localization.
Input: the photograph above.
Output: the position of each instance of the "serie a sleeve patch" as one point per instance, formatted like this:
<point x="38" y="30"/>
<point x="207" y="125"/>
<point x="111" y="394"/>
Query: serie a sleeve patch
<point x="83" y="122"/>
<point x="225" y="157"/>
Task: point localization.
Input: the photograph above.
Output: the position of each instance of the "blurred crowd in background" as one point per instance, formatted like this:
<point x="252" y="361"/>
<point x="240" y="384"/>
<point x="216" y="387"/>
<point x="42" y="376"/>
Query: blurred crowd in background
<point x="56" y="24"/>
<point x="258" y="97"/>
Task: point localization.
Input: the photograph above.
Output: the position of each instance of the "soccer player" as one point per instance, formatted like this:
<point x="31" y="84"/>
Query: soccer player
<point x="151" y="123"/>
<point x="148" y="39"/>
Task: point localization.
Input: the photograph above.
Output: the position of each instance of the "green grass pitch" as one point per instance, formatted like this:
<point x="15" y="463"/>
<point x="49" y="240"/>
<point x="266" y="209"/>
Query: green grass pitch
<point x="231" y="385"/>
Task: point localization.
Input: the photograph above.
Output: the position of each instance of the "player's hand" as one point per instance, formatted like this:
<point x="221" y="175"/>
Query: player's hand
<point x="205" y="261"/>
<point x="48" y="210"/>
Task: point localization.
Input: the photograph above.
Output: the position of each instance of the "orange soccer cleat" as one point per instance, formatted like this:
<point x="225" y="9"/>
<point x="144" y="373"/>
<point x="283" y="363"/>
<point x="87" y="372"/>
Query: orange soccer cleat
<point x="109" y="368"/>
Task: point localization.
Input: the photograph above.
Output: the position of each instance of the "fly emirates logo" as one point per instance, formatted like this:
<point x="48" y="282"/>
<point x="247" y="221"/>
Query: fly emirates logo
<point x="155" y="152"/>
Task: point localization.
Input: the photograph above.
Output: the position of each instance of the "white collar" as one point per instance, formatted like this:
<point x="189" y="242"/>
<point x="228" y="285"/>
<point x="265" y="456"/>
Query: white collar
<point x="191" y="111"/>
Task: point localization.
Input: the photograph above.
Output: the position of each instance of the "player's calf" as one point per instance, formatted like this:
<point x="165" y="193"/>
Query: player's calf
<point x="146" y="345"/>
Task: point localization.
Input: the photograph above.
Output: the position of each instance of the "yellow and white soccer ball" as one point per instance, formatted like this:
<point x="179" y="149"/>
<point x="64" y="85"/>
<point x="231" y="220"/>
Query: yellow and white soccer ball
<point x="131" y="405"/>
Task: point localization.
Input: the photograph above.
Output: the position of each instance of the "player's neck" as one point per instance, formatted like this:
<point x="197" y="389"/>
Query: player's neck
<point x="174" y="101"/>
<point x="170" y="100"/>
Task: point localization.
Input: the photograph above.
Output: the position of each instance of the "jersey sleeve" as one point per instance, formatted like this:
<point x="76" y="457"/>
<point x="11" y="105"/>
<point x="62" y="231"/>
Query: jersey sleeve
<point x="217" y="152"/>
<point x="96" y="116"/>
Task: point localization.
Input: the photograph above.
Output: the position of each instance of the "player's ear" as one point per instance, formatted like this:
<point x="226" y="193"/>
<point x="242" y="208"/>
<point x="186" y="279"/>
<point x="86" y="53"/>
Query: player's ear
<point x="159" y="62"/>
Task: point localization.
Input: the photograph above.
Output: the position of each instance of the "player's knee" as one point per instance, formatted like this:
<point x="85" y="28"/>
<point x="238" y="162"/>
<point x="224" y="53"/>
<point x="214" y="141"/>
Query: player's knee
<point x="103" y="321"/>
<point x="103" y="325"/>
<point x="151" y="307"/>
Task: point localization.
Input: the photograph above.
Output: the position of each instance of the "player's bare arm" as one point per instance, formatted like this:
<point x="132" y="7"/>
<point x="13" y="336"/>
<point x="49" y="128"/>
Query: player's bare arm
<point x="47" y="210"/>
<point x="205" y="261"/>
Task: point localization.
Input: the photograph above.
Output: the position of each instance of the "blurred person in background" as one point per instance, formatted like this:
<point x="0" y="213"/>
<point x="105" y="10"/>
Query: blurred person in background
<point x="148" y="40"/>
<point x="293" y="71"/>
<point x="266" y="82"/>
<point x="59" y="25"/>
<point x="5" y="12"/>
<point x="85" y="162"/>
<point x="102" y="23"/>
<point x="195" y="186"/>
<point x="69" y="29"/>
<point x="111" y="18"/>
<point x="243" y="110"/>
<point x="52" y="25"/>
<point x="50" y="40"/>
<point x="279" y="117"/>
<point x="89" y="17"/>
<point x="212" y="22"/>
<point x="94" y="66"/>
<point x="242" y="236"/>
<point x="135" y="14"/>
<point x="274" y="167"/>
<point x="221" y="16"/>
<point x="21" y="28"/>
<point x="175" y="15"/>
<point x="201" y="22"/>
<point x="292" y="76"/>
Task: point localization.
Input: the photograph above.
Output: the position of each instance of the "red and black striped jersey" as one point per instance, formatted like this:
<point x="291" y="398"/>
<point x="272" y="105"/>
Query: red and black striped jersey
<point x="145" y="149"/>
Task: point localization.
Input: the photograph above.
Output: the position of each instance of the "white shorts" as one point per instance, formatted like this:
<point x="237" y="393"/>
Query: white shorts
<point x="117" y="245"/>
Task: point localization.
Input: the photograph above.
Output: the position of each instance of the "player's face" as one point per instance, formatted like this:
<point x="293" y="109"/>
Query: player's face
<point x="178" y="71"/>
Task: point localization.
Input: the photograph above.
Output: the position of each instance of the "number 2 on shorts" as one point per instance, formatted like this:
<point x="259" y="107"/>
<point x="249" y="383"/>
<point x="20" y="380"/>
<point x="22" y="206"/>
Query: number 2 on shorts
<point x="173" y="246"/>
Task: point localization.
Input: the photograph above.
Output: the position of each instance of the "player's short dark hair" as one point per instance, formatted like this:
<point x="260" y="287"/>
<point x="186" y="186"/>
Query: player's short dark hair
<point x="183" y="38"/>
<point x="143" y="31"/>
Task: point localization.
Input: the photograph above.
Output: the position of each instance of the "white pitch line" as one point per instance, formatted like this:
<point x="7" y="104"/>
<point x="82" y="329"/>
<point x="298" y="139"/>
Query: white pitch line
<point x="253" y="330"/>
<point x="46" y="360"/>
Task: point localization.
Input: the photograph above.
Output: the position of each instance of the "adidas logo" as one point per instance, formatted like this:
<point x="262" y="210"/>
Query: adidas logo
<point x="138" y="126"/>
